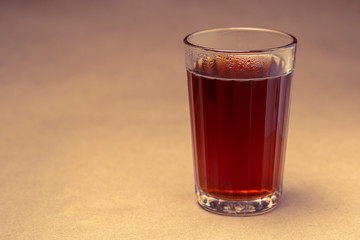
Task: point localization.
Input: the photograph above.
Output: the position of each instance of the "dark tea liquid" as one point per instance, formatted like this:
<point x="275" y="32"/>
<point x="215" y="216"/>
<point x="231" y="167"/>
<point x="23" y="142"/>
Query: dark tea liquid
<point x="239" y="116"/>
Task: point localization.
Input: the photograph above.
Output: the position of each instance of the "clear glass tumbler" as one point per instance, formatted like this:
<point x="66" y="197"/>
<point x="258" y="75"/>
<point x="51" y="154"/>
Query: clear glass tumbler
<point x="239" y="82"/>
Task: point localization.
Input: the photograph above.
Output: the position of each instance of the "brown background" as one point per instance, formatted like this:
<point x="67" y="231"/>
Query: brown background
<point x="94" y="122"/>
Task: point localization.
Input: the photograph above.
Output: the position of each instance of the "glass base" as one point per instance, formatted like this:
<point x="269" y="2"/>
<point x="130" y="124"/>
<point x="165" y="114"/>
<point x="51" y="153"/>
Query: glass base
<point x="238" y="208"/>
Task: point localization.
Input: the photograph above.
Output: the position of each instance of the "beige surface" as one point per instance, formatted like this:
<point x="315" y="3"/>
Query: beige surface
<point x="94" y="126"/>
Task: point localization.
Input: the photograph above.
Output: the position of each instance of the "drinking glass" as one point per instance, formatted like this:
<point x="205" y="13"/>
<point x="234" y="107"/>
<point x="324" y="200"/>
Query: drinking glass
<point x="239" y="83"/>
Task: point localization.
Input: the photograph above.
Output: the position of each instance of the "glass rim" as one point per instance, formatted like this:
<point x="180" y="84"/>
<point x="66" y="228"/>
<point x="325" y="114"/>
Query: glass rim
<point x="292" y="39"/>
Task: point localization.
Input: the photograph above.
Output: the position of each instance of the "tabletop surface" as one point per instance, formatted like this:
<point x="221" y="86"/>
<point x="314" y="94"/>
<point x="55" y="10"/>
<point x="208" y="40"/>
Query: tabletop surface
<point x="95" y="132"/>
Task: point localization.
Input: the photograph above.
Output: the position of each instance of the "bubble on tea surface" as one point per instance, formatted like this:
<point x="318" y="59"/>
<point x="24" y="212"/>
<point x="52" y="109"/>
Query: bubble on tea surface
<point x="240" y="66"/>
